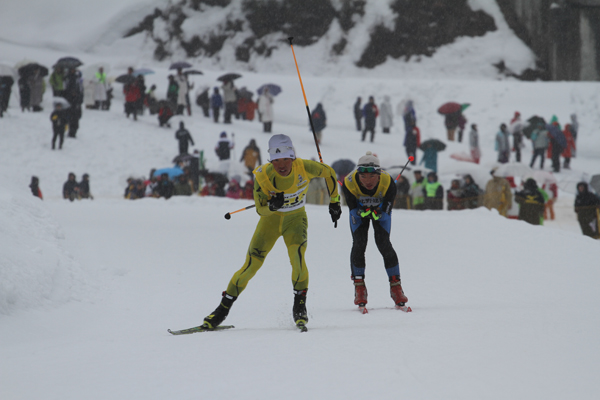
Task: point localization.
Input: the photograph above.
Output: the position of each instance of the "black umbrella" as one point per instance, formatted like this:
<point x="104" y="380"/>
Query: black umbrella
<point x="180" y="65"/>
<point x="68" y="62"/>
<point x="29" y="69"/>
<point x="193" y="72"/>
<point x="533" y="123"/>
<point x="229" y="77"/>
<point x="182" y="157"/>
<point x="125" y="78"/>
<point x="245" y="93"/>
<point x="343" y="167"/>
<point x="436" y="144"/>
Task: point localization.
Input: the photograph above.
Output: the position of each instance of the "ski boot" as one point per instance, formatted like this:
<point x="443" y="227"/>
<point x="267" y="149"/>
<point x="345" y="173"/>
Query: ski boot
<point x="299" y="309"/>
<point x="360" y="291"/>
<point x="218" y="316"/>
<point x="396" y="291"/>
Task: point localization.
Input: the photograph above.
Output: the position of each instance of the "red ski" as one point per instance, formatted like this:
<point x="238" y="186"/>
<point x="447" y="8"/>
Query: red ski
<point x="404" y="308"/>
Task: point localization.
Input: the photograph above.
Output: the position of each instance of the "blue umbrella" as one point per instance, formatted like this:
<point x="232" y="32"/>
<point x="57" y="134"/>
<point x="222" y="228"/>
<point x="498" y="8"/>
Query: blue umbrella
<point x="173" y="172"/>
<point x="273" y="89"/>
<point x="143" y="71"/>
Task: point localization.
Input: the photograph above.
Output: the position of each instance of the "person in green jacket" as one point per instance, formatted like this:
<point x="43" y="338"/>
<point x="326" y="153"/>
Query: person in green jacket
<point x="417" y="191"/>
<point x="434" y="193"/>
<point x="57" y="81"/>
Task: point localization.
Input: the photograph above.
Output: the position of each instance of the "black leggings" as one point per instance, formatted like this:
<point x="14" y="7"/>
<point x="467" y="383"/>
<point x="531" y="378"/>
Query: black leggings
<point x="359" y="246"/>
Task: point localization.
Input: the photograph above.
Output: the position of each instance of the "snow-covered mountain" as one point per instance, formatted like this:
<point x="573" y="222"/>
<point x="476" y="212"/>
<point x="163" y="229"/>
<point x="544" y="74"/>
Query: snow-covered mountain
<point x="87" y="289"/>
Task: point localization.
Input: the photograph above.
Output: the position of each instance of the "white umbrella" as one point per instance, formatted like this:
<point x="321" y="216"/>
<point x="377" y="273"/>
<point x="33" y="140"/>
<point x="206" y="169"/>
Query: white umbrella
<point x="62" y="101"/>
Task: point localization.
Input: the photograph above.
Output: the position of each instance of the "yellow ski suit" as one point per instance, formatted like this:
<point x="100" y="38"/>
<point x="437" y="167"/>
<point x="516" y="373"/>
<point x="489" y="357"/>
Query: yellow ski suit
<point x="289" y="221"/>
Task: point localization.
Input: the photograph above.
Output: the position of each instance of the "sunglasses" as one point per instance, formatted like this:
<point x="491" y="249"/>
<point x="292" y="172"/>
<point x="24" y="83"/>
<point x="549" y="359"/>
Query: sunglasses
<point x="368" y="170"/>
<point x="281" y="149"/>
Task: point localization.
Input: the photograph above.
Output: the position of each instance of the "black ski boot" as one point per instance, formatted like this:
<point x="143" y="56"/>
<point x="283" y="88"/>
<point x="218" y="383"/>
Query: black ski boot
<point x="218" y="316"/>
<point x="299" y="310"/>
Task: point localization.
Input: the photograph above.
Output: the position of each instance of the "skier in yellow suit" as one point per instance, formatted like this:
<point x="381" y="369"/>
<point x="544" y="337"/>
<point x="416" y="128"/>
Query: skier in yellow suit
<point x="279" y="194"/>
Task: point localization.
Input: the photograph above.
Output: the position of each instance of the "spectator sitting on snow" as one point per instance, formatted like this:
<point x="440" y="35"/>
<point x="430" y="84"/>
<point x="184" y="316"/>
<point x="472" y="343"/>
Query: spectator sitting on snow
<point x="71" y="188"/>
<point x="182" y="187"/>
<point x="84" y="188"/>
<point x="434" y="193"/>
<point x="498" y="194"/>
<point x="35" y="187"/>
<point x="455" y="196"/>
<point x="531" y="203"/>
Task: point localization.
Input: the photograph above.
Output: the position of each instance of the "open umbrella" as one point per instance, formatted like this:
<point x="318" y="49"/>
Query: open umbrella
<point x="172" y="172"/>
<point x="533" y="123"/>
<point x="182" y="157"/>
<point x="595" y="183"/>
<point x="436" y="144"/>
<point x="28" y="69"/>
<point x="229" y="77"/>
<point x="68" y="62"/>
<point x="142" y="71"/>
<point x="193" y="72"/>
<point x="273" y="88"/>
<point x="449" y="108"/>
<point x="180" y="65"/>
<point x="125" y="78"/>
<point x="62" y="101"/>
<point x="343" y="167"/>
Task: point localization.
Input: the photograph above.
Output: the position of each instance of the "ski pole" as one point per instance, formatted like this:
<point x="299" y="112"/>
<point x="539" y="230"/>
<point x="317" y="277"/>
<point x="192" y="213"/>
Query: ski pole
<point x="411" y="158"/>
<point x="291" y="38"/>
<point x="228" y="215"/>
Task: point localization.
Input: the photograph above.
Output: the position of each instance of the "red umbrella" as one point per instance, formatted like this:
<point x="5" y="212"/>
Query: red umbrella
<point x="449" y="108"/>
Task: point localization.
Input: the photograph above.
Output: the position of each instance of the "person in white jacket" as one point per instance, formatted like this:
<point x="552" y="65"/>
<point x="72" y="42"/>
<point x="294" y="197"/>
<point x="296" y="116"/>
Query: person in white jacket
<point x="265" y="108"/>
<point x="182" y="95"/>
<point x="386" y="116"/>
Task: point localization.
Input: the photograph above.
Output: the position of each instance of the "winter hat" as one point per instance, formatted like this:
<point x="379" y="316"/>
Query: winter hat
<point x="369" y="159"/>
<point x="223" y="134"/>
<point x="281" y="146"/>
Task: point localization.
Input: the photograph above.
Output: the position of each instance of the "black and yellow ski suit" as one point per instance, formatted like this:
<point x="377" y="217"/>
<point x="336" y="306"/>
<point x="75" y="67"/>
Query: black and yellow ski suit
<point x="289" y="221"/>
<point x="381" y="198"/>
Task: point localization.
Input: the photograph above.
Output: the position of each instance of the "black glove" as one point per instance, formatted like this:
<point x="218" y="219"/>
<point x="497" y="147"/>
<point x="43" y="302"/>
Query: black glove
<point x="276" y="202"/>
<point x="335" y="210"/>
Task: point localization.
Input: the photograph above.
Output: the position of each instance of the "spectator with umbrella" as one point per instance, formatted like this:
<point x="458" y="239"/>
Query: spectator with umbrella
<point x="452" y="113"/>
<point x="430" y="149"/>
<point x="265" y="108"/>
<point x="182" y="94"/>
<point x="32" y="85"/>
<point x="230" y="99"/>
<point x="73" y="93"/>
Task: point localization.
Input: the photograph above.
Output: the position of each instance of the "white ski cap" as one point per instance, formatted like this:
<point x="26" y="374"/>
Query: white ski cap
<point x="369" y="160"/>
<point x="281" y="146"/>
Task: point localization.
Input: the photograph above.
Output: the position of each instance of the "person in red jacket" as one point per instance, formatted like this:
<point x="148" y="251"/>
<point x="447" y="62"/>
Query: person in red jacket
<point x="569" y="151"/>
<point x="132" y="97"/>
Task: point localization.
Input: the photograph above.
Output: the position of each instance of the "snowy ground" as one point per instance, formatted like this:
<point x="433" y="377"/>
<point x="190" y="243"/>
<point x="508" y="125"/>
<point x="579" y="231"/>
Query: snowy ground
<point x="502" y="309"/>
